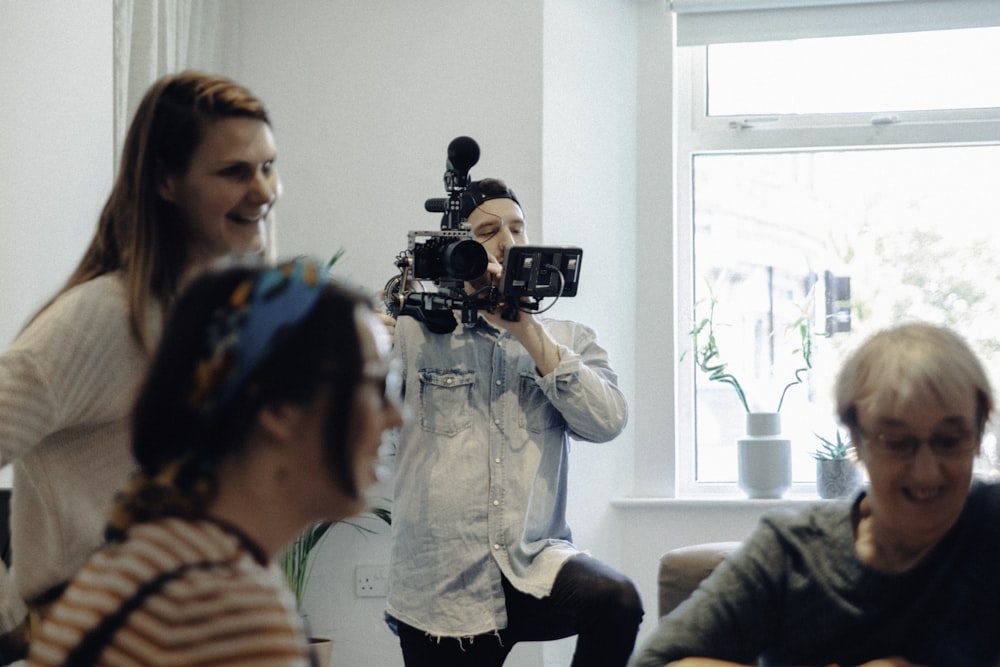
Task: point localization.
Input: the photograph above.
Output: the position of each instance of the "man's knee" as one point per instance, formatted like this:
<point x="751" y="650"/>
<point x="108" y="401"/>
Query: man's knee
<point x="608" y="593"/>
<point x="621" y="595"/>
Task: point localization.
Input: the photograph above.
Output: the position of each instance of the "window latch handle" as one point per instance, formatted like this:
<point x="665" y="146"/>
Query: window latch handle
<point x="885" y="120"/>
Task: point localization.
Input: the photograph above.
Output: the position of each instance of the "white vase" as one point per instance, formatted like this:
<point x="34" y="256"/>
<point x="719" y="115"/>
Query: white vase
<point x="765" y="458"/>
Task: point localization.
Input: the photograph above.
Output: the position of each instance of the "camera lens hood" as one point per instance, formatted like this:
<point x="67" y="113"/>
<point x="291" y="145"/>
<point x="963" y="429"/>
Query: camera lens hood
<point x="465" y="260"/>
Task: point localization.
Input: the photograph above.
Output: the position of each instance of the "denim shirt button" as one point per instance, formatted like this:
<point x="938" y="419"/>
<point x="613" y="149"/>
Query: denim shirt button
<point x="496" y="460"/>
<point x="496" y="547"/>
<point x="496" y="503"/>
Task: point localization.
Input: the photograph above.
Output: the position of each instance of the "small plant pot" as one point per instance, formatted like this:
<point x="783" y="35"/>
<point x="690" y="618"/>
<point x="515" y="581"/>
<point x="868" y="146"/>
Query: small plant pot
<point x="322" y="649"/>
<point x="837" y="479"/>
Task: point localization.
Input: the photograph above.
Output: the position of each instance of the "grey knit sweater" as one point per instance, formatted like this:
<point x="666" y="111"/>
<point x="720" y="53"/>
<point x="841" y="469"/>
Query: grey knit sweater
<point x="796" y="594"/>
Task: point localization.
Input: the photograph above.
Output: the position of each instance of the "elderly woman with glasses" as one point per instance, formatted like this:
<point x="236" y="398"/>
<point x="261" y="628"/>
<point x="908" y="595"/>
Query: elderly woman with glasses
<point x="908" y="573"/>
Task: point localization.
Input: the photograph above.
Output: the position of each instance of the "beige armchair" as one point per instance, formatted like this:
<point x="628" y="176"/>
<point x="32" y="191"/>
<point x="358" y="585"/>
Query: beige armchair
<point x="682" y="569"/>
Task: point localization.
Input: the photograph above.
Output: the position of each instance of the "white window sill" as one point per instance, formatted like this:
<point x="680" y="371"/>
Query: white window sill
<point x="650" y="502"/>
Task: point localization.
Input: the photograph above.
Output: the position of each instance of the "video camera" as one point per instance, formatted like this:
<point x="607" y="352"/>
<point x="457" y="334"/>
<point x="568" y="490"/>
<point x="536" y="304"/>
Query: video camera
<point x="449" y="257"/>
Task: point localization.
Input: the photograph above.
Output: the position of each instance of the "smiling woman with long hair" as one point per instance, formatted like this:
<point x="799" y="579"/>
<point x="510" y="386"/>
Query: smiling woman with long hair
<point x="197" y="182"/>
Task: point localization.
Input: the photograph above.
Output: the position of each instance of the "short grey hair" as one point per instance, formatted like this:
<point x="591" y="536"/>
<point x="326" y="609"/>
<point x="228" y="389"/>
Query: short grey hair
<point x="909" y="364"/>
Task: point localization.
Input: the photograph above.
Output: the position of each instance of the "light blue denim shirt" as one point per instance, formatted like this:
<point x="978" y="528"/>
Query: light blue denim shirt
<point x="481" y="468"/>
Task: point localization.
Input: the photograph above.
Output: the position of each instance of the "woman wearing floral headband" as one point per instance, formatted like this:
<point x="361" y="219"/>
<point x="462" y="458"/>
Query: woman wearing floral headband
<point x="197" y="182"/>
<point x="262" y="414"/>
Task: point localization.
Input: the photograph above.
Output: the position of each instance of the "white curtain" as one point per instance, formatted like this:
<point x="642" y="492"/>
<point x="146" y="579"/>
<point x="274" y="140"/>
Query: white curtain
<point x="726" y="21"/>
<point x="158" y="37"/>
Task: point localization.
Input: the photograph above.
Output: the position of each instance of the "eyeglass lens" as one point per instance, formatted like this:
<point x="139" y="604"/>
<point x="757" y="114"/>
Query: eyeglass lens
<point x="941" y="444"/>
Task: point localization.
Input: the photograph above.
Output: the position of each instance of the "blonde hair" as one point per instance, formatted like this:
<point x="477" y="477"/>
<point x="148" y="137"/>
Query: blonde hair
<point x="912" y="364"/>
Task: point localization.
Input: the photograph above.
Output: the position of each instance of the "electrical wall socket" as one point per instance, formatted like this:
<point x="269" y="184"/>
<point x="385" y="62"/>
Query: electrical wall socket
<point x="371" y="581"/>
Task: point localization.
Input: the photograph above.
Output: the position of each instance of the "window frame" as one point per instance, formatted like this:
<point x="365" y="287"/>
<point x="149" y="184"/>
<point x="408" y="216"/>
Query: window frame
<point x="696" y="133"/>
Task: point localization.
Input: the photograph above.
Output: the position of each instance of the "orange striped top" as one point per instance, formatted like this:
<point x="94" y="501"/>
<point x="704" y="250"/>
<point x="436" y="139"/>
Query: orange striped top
<point x="238" y="613"/>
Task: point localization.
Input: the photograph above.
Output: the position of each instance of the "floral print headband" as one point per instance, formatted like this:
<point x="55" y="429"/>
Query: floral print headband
<point x="242" y="331"/>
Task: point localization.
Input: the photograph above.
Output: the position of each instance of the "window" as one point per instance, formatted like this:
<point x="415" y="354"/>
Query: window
<point x="844" y="183"/>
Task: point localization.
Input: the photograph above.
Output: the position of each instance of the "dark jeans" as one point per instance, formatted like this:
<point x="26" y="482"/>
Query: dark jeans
<point x="589" y="599"/>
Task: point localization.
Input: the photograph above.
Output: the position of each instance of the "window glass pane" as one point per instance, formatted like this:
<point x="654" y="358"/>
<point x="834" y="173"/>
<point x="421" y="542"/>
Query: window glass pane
<point x="911" y="230"/>
<point x="949" y="69"/>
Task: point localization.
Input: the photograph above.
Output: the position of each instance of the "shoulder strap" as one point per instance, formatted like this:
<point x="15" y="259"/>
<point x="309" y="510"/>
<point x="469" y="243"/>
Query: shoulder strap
<point x="90" y="647"/>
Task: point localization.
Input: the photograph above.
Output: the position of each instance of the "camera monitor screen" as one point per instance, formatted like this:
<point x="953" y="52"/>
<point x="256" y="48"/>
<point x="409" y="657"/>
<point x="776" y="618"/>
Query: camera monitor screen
<point x="541" y="271"/>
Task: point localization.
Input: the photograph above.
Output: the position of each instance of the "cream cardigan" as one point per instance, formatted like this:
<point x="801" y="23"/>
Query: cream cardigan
<point x="67" y="385"/>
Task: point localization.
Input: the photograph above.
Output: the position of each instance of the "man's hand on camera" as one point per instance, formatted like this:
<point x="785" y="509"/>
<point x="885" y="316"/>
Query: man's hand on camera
<point x="390" y="324"/>
<point x="491" y="277"/>
<point x="533" y="335"/>
<point x="528" y="331"/>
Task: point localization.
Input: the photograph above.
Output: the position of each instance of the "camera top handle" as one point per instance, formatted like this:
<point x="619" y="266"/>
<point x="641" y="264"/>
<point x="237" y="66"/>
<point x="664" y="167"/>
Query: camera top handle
<point x="463" y="154"/>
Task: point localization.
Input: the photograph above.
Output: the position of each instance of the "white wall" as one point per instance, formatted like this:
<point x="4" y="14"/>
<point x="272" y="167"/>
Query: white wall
<point x="55" y="145"/>
<point x="568" y="99"/>
<point x="589" y="176"/>
<point x="365" y="98"/>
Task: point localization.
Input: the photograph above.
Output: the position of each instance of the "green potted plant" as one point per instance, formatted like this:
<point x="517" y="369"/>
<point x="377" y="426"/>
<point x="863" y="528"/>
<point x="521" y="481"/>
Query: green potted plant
<point x="295" y="559"/>
<point x="837" y="475"/>
<point x="837" y="449"/>
<point x="296" y="564"/>
<point x="764" y="457"/>
<point x="708" y="358"/>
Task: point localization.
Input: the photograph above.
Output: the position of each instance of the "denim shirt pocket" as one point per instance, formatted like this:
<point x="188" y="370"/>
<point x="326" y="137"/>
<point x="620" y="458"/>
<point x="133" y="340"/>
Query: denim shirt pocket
<point x="446" y="400"/>
<point x="537" y="413"/>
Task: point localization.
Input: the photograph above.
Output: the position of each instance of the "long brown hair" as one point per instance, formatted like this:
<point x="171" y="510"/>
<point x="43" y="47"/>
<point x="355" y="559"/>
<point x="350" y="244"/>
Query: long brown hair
<point x="135" y="232"/>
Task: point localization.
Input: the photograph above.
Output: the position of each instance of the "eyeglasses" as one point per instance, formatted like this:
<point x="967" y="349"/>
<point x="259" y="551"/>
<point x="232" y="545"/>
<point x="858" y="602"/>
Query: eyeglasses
<point x="903" y="447"/>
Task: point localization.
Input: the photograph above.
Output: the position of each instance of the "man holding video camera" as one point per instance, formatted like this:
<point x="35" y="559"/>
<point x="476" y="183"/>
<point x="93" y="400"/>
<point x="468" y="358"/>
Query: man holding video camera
<point x="482" y="557"/>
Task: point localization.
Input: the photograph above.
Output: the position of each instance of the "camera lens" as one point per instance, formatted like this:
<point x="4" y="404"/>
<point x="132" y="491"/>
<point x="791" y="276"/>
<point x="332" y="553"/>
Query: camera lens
<point x="465" y="260"/>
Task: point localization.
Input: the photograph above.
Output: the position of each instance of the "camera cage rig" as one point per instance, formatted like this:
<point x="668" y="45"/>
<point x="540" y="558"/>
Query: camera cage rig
<point x="449" y="257"/>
